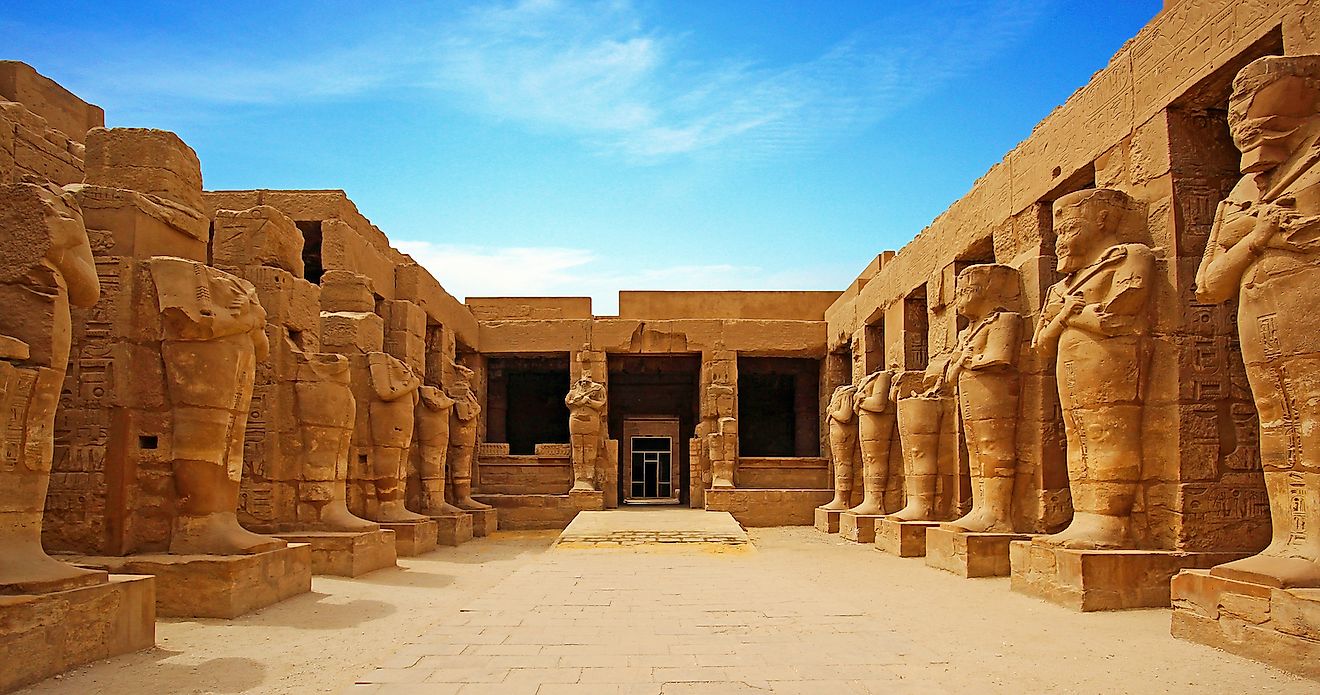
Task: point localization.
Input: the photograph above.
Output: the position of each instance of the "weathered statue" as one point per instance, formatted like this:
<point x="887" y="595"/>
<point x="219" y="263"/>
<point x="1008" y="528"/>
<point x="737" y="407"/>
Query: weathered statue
<point x="390" y="415"/>
<point x="463" y="441"/>
<point x="919" y="412"/>
<point x="434" y="410"/>
<point x="875" y="427"/>
<point x="983" y="369"/>
<point x="1264" y="249"/>
<point x="1097" y="319"/>
<point x="45" y="265"/>
<point x="324" y="412"/>
<point x="586" y="405"/>
<point x="843" y="440"/>
<point x="213" y="334"/>
<point x="721" y="423"/>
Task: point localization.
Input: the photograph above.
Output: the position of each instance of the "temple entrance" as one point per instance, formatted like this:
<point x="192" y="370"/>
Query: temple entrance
<point x="649" y="448"/>
<point x="654" y="396"/>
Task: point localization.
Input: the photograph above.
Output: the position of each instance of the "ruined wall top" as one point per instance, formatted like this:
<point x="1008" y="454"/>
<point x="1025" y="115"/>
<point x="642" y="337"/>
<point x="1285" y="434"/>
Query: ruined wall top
<point x="41" y="95"/>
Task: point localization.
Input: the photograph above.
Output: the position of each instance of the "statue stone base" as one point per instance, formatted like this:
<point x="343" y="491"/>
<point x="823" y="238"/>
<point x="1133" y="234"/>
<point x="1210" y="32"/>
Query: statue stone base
<point x="415" y="537"/>
<point x="1247" y="619"/>
<point x="1102" y="580"/>
<point x="970" y="554"/>
<point x="858" y="528"/>
<point x="217" y="586"/>
<point x="828" y="520"/>
<point x="347" y="553"/>
<point x="75" y="627"/>
<point x="902" y="538"/>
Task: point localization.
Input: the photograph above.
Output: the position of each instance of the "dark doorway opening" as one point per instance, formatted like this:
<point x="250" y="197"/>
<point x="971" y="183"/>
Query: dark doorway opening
<point x="656" y="386"/>
<point x="525" y="400"/>
<point x="778" y="406"/>
<point x="313" y="269"/>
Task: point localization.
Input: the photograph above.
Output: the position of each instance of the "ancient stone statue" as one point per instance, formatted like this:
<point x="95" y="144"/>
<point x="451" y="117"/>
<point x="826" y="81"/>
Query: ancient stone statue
<point x="324" y="410"/>
<point x="45" y="265"/>
<point x="1264" y="249"/>
<point x="875" y="428"/>
<point x="463" y="441"/>
<point x="983" y="370"/>
<point x="586" y="406"/>
<point x="390" y="412"/>
<point x="434" y="410"/>
<point x="722" y="444"/>
<point x="721" y="423"/>
<point x="1097" y="319"/>
<point x="213" y="334"/>
<point x="919" y="411"/>
<point x="843" y="440"/>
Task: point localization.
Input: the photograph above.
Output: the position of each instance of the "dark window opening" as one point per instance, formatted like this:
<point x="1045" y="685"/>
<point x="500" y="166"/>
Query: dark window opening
<point x="916" y="329"/>
<point x="148" y="441"/>
<point x="311" y="253"/>
<point x="778" y="406"/>
<point x="525" y="401"/>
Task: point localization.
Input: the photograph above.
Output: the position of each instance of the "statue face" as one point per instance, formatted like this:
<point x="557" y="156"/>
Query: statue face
<point x="1077" y="234"/>
<point x="967" y="300"/>
<point x="1262" y="121"/>
<point x="72" y="251"/>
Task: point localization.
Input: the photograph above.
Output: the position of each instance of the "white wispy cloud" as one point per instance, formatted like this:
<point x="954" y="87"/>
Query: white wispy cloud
<point x="483" y="271"/>
<point x="602" y="71"/>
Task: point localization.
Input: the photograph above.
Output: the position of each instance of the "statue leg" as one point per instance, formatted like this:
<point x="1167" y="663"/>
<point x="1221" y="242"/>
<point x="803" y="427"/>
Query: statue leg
<point x="1286" y="390"/>
<point x="461" y="483"/>
<point x="842" y="452"/>
<point x="325" y="469"/>
<point x="29" y="395"/>
<point x="875" y="432"/>
<point x="919" y="431"/>
<point x="989" y="415"/>
<point x="390" y="468"/>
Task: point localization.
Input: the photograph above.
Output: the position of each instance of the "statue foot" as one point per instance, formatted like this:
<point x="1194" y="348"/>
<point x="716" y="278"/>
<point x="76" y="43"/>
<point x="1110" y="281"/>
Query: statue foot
<point x="979" y="521"/>
<point x="39" y="573"/>
<point x="336" y="517"/>
<point x="218" y="534"/>
<point x="914" y="511"/>
<point x="1090" y="531"/>
<point x="1272" y="570"/>
<point x="471" y="505"/>
<point x="394" y="513"/>
<point x="868" y="509"/>
<point x="835" y="505"/>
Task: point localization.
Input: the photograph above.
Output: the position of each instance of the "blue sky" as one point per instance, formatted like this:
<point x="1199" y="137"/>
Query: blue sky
<point x="563" y="147"/>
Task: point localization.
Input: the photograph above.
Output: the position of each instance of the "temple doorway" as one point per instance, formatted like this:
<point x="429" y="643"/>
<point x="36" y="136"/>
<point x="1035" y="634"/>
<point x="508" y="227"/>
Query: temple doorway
<point x="649" y="450"/>
<point x="653" y="415"/>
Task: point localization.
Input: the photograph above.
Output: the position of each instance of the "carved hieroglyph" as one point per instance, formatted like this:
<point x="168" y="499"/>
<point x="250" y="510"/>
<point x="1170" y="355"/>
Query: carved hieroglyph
<point x="213" y="334"/>
<point x="463" y="440"/>
<point x="586" y="408"/>
<point x="983" y="369"/>
<point x="45" y="265"/>
<point x="919" y="411"/>
<point x="1097" y="319"/>
<point x="875" y="428"/>
<point x="1264" y="249"/>
<point x="843" y="442"/>
<point x="434" y="410"/>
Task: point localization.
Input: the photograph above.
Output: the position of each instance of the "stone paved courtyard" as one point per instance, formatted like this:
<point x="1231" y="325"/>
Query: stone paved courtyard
<point x="795" y="611"/>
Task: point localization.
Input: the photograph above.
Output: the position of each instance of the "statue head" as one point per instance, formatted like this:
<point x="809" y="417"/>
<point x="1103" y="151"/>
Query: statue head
<point x="1085" y="224"/>
<point x="45" y="230"/>
<point x="1274" y="104"/>
<point x="985" y="288"/>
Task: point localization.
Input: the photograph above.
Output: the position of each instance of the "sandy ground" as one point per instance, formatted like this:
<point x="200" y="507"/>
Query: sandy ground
<point x="928" y="629"/>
